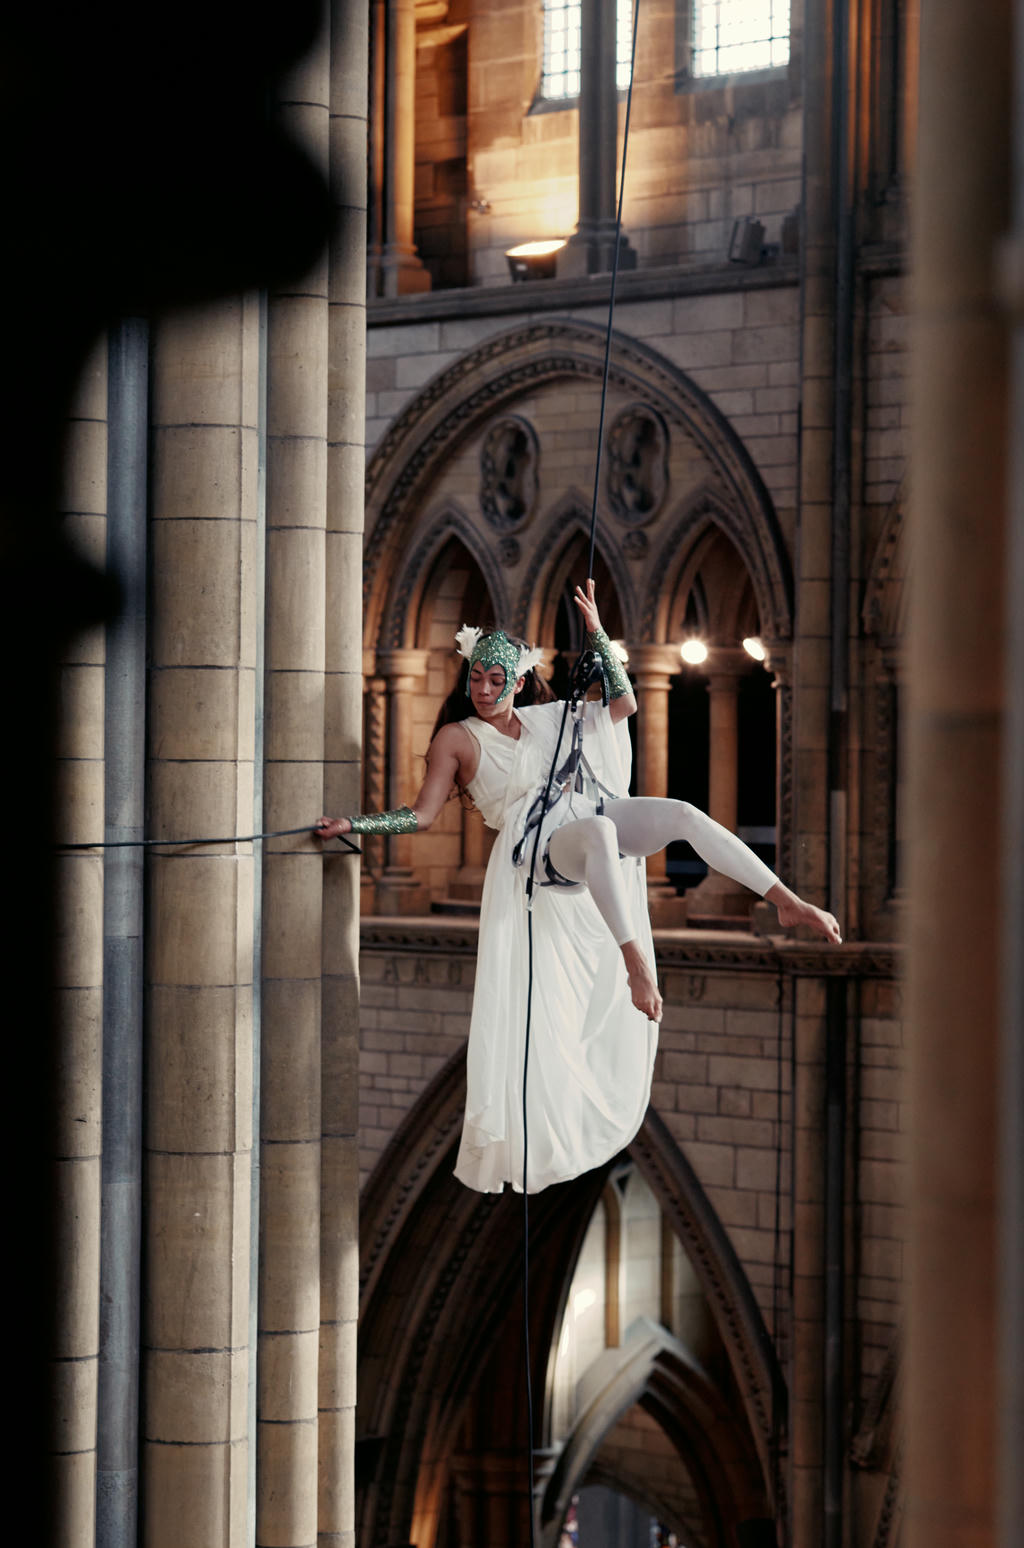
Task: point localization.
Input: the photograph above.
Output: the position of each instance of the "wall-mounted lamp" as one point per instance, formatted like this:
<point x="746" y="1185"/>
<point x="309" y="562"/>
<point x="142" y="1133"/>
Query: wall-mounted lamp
<point x="693" y="652"/>
<point x="619" y="649"/>
<point x="534" y="260"/>
<point x="754" y="647"/>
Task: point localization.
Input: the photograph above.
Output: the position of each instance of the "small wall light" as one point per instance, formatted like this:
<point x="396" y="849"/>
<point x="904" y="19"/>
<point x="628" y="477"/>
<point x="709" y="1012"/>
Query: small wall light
<point x="534" y="260"/>
<point x="693" y="652"/>
<point x="619" y="649"/>
<point x="753" y="647"/>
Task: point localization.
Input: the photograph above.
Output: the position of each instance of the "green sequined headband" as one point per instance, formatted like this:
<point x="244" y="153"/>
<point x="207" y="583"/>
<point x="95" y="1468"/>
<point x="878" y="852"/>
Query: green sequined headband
<point x="491" y="650"/>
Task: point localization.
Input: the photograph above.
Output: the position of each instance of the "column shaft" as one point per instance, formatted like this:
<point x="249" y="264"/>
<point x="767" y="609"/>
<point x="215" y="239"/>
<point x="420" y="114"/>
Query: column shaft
<point x="591" y="249"/>
<point x="117" y="1483"/>
<point x="201" y="948"/>
<point x="79" y="980"/>
<point x="405" y="671"/>
<point x="402" y="270"/>
<point x="339" y="1206"/>
<point x="290" y="1021"/>
<point x="959" y="448"/>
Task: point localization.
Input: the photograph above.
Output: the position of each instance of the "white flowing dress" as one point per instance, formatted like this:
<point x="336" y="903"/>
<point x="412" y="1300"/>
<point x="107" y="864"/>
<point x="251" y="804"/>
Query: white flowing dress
<point x="591" y="1051"/>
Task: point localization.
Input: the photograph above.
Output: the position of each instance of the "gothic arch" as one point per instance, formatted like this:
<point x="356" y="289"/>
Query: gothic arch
<point x="500" y="371"/>
<point x="654" y="1369"/>
<point x="569" y="517"/>
<point x="441" y="1270"/>
<point x="402" y="607"/>
<point x="768" y="568"/>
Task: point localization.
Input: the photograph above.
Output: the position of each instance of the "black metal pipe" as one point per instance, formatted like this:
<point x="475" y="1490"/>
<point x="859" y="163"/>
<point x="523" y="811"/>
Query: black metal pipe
<point x="124" y="784"/>
<point x="835" y="1166"/>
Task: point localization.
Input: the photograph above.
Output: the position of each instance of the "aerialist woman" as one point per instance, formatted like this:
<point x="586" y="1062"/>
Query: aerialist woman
<point x="594" y="1010"/>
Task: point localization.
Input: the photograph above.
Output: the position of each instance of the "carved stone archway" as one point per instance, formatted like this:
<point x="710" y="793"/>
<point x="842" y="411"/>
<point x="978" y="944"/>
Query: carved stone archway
<point x="491" y="378"/>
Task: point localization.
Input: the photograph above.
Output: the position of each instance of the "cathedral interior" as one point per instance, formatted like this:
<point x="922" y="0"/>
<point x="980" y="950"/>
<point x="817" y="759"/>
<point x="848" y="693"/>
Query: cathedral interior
<point x="310" y="338"/>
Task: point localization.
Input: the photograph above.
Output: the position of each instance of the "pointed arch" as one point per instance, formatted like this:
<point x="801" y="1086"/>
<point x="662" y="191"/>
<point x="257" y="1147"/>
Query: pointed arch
<point x="687" y="530"/>
<point x="503" y="369"/>
<point x="654" y="1369"/>
<point x="537" y="603"/>
<point x="398" y="618"/>
<point x="440" y="1277"/>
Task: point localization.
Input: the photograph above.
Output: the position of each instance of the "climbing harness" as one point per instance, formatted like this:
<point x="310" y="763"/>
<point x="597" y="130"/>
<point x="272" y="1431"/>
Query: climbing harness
<point x="574" y="792"/>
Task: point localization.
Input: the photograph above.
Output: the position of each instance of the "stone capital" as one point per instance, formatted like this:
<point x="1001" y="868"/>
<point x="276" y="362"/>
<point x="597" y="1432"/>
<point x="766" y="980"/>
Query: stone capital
<point x="654" y="666"/>
<point x="402" y="662"/>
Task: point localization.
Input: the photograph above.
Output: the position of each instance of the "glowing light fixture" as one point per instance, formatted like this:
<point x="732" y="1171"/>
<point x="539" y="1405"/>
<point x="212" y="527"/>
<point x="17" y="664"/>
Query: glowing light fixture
<point x="619" y="649"/>
<point x="693" y="652"/>
<point x="753" y="647"/>
<point x="582" y="1301"/>
<point x="534" y="260"/>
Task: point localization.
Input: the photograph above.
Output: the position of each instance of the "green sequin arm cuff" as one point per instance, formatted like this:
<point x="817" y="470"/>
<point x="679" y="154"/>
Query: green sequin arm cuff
<point x="614" y="671"/>
<point x="388" y="823"/>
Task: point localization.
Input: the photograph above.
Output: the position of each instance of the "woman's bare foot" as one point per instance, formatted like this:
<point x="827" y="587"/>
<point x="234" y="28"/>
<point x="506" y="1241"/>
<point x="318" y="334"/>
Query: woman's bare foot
<point x="793" y="911"/>
<point x="643" y="986"/>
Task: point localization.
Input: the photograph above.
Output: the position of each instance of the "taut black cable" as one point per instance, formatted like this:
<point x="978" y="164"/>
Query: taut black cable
<point x="190" y="843"/>
<point x="550" y="779"/>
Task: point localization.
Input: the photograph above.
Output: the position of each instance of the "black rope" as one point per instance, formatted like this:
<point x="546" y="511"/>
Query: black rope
<point x="190" y="843"/>
<point x="550" y="780"/>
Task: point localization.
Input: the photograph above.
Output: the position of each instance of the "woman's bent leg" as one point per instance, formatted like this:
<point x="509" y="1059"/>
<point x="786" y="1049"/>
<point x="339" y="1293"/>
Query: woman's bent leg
<point x="646" y="824"/>
<point x="587" y="850"/>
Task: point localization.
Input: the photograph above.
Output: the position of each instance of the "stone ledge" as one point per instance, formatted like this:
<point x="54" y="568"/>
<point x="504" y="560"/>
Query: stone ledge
<point x="728" y="950"/>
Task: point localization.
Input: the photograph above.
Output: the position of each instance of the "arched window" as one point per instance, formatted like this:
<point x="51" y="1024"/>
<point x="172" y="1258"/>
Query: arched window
<point x="733" y="35"/>
<point x="560" y="71"/>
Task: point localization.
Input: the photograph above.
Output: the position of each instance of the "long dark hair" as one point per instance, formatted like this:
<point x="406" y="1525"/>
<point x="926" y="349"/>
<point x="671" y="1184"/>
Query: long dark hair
<point x="459" y="706"/>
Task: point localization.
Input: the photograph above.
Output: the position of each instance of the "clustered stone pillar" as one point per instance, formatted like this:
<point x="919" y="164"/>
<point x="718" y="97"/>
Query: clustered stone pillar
<point x="955" y="729"/>
<point x="290" y="1047"/>
<point x="79" y="981"/>
<point x="201" y="945"/>
<point x="339" y="1086"/>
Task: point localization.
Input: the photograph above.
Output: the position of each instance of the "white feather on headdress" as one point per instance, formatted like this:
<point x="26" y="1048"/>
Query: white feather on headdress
<point x="528" y="659"/>
<point x="467" y="639"/>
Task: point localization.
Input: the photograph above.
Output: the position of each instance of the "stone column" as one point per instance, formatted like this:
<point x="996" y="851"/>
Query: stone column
<point x="200" y="961"/>
<point x="79" y="999"/>
<point x="346" y="463"/>
<point x="402" y="271"/>
<point x="653" y="668"/>
<point x="405" y="670"/>
<point x="718" y="895"/>
<point x="375" y="788"/>
<point x="955" y="731"/>
<point x="290" y="1022"/>
<point x="591" y="248"/>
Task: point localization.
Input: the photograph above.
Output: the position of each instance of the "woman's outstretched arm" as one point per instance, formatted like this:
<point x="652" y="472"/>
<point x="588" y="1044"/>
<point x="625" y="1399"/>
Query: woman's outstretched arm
<point x="623" y="699"/>
<point x="449" y="760"/>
